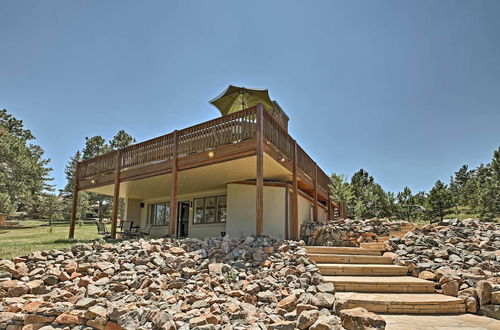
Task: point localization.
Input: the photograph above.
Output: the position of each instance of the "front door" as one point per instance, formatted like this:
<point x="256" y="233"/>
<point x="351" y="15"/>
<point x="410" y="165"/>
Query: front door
<point x="183" y="219"/>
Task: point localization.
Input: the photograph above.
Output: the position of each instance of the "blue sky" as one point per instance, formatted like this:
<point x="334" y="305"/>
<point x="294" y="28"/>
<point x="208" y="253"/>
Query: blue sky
<point x="408" y="90"/>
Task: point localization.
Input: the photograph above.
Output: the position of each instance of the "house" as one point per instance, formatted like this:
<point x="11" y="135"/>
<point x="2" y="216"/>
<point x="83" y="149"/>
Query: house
<point x="239" y="174"/>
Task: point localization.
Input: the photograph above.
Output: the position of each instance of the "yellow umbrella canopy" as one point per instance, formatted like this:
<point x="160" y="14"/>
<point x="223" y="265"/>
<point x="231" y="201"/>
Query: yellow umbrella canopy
<point x="236" y="98"/>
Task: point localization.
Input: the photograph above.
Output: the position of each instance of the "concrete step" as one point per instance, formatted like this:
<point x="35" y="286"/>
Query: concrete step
<point x="372" y="246"/>
<point x="396" y="284"/>
<point x="401" y="303"/>
<point x="342" y="250"/>
<point x="349" y="258"/>
<point x="362" y="269"/>
<point x="382" y="239"/>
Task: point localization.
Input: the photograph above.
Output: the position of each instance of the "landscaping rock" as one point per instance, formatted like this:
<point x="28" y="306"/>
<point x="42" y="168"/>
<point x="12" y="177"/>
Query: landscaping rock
<point x="359" y="319"/>
<point x="255" y="283"/>
<point x="492" y="311"/>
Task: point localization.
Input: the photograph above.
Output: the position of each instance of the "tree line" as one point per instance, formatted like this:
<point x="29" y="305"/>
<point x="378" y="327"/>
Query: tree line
<point x="26" y="185"/>
<point x="476" y="191"/>
<point x="25" y="182"/>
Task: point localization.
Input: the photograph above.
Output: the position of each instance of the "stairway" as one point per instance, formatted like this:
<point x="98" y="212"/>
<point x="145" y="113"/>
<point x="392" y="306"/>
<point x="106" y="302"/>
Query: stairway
<point x="363" y="277"/>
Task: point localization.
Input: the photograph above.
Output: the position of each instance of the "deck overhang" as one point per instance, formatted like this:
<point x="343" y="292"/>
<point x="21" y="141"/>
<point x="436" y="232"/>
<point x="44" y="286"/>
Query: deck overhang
<point x="248" y="145"/>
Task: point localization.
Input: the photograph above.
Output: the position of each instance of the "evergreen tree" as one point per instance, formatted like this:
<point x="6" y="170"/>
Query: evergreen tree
<point x="489" y="192"/>
<point x="24" y="172"/>
<point x="340" y="190"/>
<point x="405" y="204"/>
<point x="121" y="140"/>
<point x="439" y="201"/>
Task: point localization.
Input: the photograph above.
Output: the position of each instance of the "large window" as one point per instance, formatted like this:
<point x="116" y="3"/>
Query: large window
<point x="159" y="214"/>
<point x="210" y="209"/>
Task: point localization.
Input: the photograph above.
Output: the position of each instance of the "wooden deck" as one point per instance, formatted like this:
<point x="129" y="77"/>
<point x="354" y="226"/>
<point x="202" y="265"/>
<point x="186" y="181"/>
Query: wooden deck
<point x="245" y="133"/>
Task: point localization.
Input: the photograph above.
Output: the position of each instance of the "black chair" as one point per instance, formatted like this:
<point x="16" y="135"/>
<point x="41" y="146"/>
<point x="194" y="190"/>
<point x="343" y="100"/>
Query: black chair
<point x="146" y="231"/>
<point x="102" y="230"/>
<point x="126" y="228"/>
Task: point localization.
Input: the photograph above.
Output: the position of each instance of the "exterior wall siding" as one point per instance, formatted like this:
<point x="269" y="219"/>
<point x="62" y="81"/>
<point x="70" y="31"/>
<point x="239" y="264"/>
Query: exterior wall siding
<point x="241" y="210"/>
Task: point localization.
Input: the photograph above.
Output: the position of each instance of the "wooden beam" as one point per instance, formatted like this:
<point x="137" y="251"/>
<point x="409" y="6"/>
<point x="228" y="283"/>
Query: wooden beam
<point x="173" y="190"/>
<point x="74" y="206"/>
<point x="295" y="196"/>
<point x="329" y="209"/>
<point x="116" y="194"/>
<point x="259" y="208"/>
<point x="315" y="193"/>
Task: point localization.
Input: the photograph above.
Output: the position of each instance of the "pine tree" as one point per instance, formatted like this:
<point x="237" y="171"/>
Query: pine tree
<point x="121" y="140"/>
<point x="340" y="190"/>
<point x="489" y="192"/>
<point x="439" y="201"/>
<point x="24" y="172"/>
<point x="405" y="204"/>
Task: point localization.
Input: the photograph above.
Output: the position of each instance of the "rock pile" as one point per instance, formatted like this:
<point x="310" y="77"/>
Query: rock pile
<point x="254" y="283"/>
<point x="463" y="257"/>
<point x="346" y="232"/>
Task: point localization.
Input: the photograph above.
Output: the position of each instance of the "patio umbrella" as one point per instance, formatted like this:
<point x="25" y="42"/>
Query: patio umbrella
<point x="235" y="98"/>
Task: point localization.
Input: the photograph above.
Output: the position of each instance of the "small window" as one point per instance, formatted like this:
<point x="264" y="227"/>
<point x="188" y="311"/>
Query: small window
<point x="221" y="208"/>
<point x="210" y="209"/>
<point x="199" y="210"/>
<point x="159" y="214"/>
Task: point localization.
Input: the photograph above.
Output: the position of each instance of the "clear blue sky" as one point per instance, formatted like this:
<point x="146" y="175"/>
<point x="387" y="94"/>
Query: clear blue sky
<point x="408" y="90"/>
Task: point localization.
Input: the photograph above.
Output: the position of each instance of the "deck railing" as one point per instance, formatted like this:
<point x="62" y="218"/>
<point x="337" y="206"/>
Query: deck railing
<point x="230" y="129"/>
<point x="98" y="165"/>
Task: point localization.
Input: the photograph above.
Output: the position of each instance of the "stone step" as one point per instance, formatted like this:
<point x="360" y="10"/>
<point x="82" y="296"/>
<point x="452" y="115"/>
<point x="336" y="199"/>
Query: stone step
<point x="349" y="258"/>
<point x="362" y="269"/>
<point x="401" y="303"/>
<point x="396" y="284"/>
<point x="382" y="239"/>
<point x="372" y="246"/>
<point x="342" y="250"/>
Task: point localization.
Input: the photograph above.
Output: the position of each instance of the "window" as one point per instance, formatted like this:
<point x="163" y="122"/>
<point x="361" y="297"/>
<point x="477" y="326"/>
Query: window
<point x="159" y="214"/>
<point x="210" y="209"/>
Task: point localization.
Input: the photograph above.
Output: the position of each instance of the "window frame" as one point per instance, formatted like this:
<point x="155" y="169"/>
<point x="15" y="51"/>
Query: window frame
<point x="152" y="212"/>
<point x="216" y="212"/>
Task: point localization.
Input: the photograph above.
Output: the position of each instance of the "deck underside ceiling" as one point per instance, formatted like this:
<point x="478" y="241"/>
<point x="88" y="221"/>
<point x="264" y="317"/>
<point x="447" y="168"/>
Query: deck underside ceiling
<point x="203" y="178"/>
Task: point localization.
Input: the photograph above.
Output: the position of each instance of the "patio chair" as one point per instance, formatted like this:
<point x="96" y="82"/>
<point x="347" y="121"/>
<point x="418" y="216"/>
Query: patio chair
<point x="102" y="230"/>
<point x="127" y="229"/>
<point x="146" y="231"/>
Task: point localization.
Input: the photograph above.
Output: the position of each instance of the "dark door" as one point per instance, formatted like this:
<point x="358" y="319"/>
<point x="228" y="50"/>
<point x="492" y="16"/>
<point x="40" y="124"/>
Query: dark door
<point x="183" y="219"/>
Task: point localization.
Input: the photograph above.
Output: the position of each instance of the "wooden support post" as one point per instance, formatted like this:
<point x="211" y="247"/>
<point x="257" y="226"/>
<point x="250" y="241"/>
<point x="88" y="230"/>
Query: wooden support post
<point x="173" y="189"/>
<point x="295" y="196"/>
<point x="116" y="194"/>
<point x="329" y="209"/>
<point x="315" y="193"/>
<point x="260" y="172"/>
<point x="74" y="206"/>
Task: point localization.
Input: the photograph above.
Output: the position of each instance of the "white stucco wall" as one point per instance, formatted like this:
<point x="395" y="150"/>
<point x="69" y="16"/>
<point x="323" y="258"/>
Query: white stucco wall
<point x="241" y="211"/>
<point x="194" y="230"/>
<point x="133" y="210"/>
<point x="304" y="210"/>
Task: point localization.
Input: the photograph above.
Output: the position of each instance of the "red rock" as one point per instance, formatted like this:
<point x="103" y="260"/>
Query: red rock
<point x="71" y="267"/>
<point x="75" y="275"/>
<point x="266" y="263"/>
<point x="32" y="306"/>
<point x="112" y="326"/>
<point x="288" y="303"/>
<point x="66" y="319"/>
<point x="360" y="318"/>
<point x="33" y="319"/>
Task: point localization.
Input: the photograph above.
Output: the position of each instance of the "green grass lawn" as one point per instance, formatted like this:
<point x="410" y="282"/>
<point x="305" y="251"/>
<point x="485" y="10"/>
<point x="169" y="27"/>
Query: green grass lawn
<point x="21" y="241"/>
